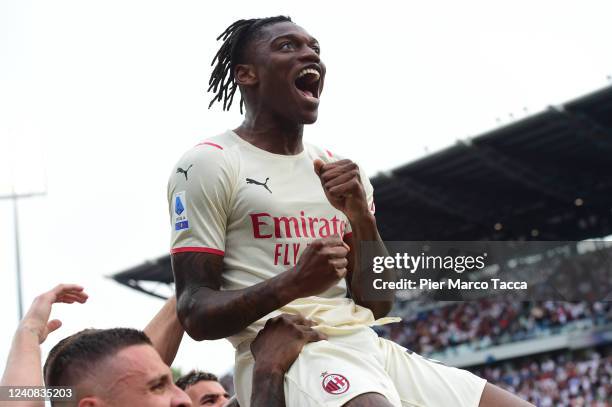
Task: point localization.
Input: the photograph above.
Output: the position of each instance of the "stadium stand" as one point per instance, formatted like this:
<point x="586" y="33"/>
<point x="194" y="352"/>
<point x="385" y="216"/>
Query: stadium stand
<point x="580" y="378"/>
<point x="472" y="326"/>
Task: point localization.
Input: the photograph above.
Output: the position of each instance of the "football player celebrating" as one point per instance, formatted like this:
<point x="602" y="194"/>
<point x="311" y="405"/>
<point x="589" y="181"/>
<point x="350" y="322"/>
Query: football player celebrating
<point x="264" y="223"/>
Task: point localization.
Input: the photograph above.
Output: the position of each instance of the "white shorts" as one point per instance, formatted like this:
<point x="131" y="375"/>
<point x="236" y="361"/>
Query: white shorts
<point x="330" y="373"/>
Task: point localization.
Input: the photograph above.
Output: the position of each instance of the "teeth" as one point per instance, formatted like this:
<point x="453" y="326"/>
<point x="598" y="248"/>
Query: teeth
<point x="307" y="71"/>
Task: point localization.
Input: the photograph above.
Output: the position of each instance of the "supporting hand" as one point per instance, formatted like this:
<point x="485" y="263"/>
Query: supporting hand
<point x="280" y="342"/>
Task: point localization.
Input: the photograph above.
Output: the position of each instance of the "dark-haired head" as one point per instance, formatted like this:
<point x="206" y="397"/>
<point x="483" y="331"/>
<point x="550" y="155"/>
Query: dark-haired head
<point x="193" y="377"/>
<point x="203" y="388"/>
<point x="266" y="59"/>
<point x="75" y="355"/>
<point x="107" y="367"/>
<point x="236" y="38"/>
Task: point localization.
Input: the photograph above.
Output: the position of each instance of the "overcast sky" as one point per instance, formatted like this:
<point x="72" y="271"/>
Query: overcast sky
<point x="99" y="99"/>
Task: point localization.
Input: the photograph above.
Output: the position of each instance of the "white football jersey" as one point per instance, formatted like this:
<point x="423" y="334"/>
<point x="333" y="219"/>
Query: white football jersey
<point x="260" y="211"/>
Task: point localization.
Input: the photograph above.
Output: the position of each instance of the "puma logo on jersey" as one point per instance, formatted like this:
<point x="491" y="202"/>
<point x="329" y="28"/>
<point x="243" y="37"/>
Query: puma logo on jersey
<point x="263" y="184"/>
<point x="179" y="170"/>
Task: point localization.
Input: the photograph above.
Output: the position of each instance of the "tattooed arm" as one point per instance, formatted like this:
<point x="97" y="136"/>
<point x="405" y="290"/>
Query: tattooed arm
<point x="206" y="312"/>
<point x="272" y="385"/>
<point x="342" y="183"/>
<point x="365" y="230"/>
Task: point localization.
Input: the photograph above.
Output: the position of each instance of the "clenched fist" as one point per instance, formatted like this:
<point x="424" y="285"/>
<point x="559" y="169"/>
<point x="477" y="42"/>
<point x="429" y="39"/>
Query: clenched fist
<point x="341" y="182"/>
<point x="321" y="266"/>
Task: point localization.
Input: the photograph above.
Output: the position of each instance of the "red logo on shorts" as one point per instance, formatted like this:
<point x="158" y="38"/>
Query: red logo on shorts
<point x="335" y="383"/>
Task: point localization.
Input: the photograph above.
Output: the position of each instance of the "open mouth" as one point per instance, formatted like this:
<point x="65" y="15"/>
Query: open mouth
<point x="307" y="82"/>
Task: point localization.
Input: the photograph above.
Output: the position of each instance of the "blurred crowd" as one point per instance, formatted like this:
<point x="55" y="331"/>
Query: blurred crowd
<point x="470" y="326"/>
<point x="561" y="380"/>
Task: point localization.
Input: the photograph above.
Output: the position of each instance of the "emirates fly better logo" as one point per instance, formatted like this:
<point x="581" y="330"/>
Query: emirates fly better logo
<point x="335" y="383"/>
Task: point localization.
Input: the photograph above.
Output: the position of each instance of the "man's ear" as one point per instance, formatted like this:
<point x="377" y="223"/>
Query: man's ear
<point x="245" y="75"/>
<point x="90" y="401"/>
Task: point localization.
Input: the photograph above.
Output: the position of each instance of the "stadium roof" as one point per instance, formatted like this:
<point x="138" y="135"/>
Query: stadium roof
<point x="550" y="174"/>
<point x="152" y="271"/>
<point x="546" y="177"/>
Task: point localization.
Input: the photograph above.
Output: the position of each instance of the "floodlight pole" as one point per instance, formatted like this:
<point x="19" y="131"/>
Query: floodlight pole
<point x="15" y="197"/>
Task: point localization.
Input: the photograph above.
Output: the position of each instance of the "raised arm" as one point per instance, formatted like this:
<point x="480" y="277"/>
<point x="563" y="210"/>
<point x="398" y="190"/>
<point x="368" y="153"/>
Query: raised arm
<point x="23" y="366"/>
<point x="166" y="331"/>
<point x="343" y="186"/>
<point x="208" y="313"/>
<point x="366" y="230"/>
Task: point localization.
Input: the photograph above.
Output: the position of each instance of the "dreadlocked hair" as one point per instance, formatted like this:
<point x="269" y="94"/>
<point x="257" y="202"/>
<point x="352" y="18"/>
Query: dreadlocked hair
<point x="235" y="39"/>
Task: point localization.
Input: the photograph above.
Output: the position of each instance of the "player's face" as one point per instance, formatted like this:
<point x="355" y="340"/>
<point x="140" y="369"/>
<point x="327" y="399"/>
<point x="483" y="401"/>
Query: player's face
<point x="207" y="393"/>
<point x="137" y="376"/>
<point x="290" y="72"/>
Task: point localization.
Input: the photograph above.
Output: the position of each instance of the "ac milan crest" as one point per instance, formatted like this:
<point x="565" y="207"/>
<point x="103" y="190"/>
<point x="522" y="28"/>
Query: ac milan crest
<point x="335" y="383"/>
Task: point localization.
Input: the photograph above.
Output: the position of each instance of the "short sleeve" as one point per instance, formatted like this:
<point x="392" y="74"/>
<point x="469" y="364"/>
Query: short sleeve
<point x="369" y="191"/>
<point x="199" y="198"/>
